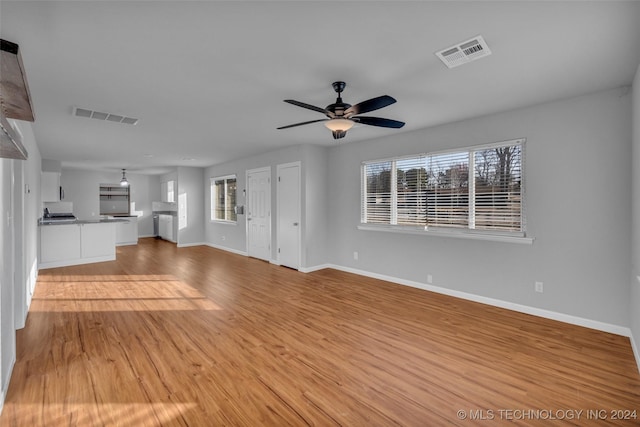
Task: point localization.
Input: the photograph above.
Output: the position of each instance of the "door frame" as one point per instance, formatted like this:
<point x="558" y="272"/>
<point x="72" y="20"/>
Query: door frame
<point x="278" y="169"/>
<point x="246" y="208"/>
<point x="20" y="270"/>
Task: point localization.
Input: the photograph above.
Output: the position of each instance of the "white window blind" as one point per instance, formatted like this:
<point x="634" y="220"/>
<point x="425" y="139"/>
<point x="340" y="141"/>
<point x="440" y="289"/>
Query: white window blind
<point x="478" y="188"/>
<point x="377" y="192"/>
<point x="448" y="190"/>
<point x="411" y="186"/>
<point x="498" y="188"/>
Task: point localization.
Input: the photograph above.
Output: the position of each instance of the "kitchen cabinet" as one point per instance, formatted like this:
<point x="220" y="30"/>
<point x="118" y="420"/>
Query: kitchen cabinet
<point x="50" y="186"/>
<point x="76" y="243"/>
<point x="165" y="227"/>
<point x="167" y="191"/>
<point x="127" y="231"/>
<point x="59" y="243"/>
<point x="97" y="240"/>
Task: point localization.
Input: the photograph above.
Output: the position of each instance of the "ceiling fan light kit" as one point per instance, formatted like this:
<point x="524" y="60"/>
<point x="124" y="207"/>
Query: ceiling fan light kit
<point x="339" y="124"/>
<point x="342" y="116"/>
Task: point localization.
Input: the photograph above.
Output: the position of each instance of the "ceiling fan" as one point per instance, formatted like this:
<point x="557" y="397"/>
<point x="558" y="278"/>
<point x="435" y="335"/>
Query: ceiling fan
<point x="342" y="116"/>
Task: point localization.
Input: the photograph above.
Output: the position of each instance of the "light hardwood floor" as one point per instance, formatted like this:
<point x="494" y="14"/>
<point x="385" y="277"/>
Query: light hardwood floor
<point x="201" y="337"/>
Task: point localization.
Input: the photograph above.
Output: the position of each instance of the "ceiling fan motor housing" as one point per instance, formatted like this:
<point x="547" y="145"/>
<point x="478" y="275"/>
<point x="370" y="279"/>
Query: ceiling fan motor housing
<point x="338" y="108"/>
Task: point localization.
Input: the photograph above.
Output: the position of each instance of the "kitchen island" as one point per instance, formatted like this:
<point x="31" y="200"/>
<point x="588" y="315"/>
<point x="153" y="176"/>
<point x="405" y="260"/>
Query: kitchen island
<point x="76" y="242"/>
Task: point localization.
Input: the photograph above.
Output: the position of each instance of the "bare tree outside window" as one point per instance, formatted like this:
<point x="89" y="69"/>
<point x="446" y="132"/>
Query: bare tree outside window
<point x="498" y="195"/>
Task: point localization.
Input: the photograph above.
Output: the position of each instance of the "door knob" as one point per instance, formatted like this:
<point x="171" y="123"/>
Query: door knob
<point x="295" y="224"/>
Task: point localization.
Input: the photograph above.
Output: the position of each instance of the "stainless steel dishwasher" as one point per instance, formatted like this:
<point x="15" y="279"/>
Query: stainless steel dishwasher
<point x="156" y="225"/>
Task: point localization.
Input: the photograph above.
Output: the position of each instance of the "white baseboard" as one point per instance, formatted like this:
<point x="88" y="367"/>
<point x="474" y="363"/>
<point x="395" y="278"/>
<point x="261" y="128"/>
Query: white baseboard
<point x="188" y="245"/>
<point x="224" y="248"/>
<point x="636" y="350"/>
<point x="316" y="268"/>
<point x="548" y="314"/>
<point x="5" y="387"/>
<point x="77" y="261"/>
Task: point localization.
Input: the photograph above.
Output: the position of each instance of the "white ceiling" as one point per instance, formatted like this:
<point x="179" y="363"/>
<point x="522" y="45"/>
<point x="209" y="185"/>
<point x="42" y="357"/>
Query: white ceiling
<point x="207" y="79"/>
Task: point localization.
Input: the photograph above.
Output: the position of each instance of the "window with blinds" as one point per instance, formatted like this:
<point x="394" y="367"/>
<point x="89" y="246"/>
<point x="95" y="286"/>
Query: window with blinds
<point x="223" y="198"/>
<point x="478" y="188"/>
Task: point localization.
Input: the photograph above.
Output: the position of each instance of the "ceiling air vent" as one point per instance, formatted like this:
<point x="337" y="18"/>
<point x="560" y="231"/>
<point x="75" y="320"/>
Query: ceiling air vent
<point x="464" y="52"/>
<point x="83" y="112"/>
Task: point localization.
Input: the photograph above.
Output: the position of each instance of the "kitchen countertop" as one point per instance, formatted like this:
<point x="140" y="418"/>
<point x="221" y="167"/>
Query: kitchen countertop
<point x="43" y="221"/>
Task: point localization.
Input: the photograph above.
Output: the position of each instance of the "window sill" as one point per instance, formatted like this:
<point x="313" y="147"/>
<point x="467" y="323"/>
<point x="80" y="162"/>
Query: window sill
<point x="456" y="234"/>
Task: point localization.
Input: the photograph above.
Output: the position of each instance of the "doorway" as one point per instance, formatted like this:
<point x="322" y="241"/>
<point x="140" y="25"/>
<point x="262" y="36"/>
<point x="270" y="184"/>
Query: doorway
<point x="289" y="215"/>
<point x="259" y="213"/>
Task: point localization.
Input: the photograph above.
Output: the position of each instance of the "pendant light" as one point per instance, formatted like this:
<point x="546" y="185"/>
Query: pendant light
<point x="123" y="181"/>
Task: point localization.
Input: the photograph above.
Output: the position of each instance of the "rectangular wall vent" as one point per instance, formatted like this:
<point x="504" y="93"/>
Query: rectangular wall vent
<point x="464" y="52"/>
<point x="83" y="112"/>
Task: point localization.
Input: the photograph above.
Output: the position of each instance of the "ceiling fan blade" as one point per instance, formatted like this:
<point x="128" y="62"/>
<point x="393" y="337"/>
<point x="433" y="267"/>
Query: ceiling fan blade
<point x="380" y="122"/>
<point x="302" y="123"/>
<point x="310" y="107"/>
<point x="369" y="105"/>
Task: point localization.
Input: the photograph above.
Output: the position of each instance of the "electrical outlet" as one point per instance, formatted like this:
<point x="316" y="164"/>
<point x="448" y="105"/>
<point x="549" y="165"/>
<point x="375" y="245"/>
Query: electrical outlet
<point x="539" y="287"/>
<point x="429" y="278"/>
<point x="355" y="255"/>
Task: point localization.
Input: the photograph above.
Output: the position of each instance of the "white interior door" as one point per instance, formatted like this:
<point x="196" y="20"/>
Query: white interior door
<point x="258" y="213"/>
<point x="289" y="215"/>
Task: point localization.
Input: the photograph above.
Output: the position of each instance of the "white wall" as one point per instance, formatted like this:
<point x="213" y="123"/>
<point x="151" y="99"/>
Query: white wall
<point x="7" y="330"/>
<point x="578" y="178"/>
<point x="315" y="200"/>
<point x="19" y="210"/>
<point x="82" y="188"/>
<point x="191" y="184"/>
<point x="634" y="300"/>
<point x="313" y="180"/>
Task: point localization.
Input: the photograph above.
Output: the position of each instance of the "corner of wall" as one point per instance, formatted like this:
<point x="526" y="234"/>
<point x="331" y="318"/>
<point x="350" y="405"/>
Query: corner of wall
<point x="634" y="291"/>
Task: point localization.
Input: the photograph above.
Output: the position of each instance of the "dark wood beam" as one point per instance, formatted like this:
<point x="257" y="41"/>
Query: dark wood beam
<point x="15" y="98"/>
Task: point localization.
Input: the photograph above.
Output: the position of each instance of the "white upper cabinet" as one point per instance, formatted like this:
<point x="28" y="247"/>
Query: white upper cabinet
<point x="50" y="186"/>
<point x="167" y="191"/>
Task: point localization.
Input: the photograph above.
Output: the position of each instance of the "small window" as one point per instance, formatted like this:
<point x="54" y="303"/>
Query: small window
<point x="223" y="199"/>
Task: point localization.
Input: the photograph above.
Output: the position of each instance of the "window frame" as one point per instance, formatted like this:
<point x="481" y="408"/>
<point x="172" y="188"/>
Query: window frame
<point x="468" y="232"/>
<point x="214" y="192"/>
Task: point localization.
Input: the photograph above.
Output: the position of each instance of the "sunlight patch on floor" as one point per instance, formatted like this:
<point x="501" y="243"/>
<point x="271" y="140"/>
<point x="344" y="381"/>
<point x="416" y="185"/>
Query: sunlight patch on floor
<point x="44" y="277"/>
<point x="119" y="414"/>
<point x="96" y="293"/>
